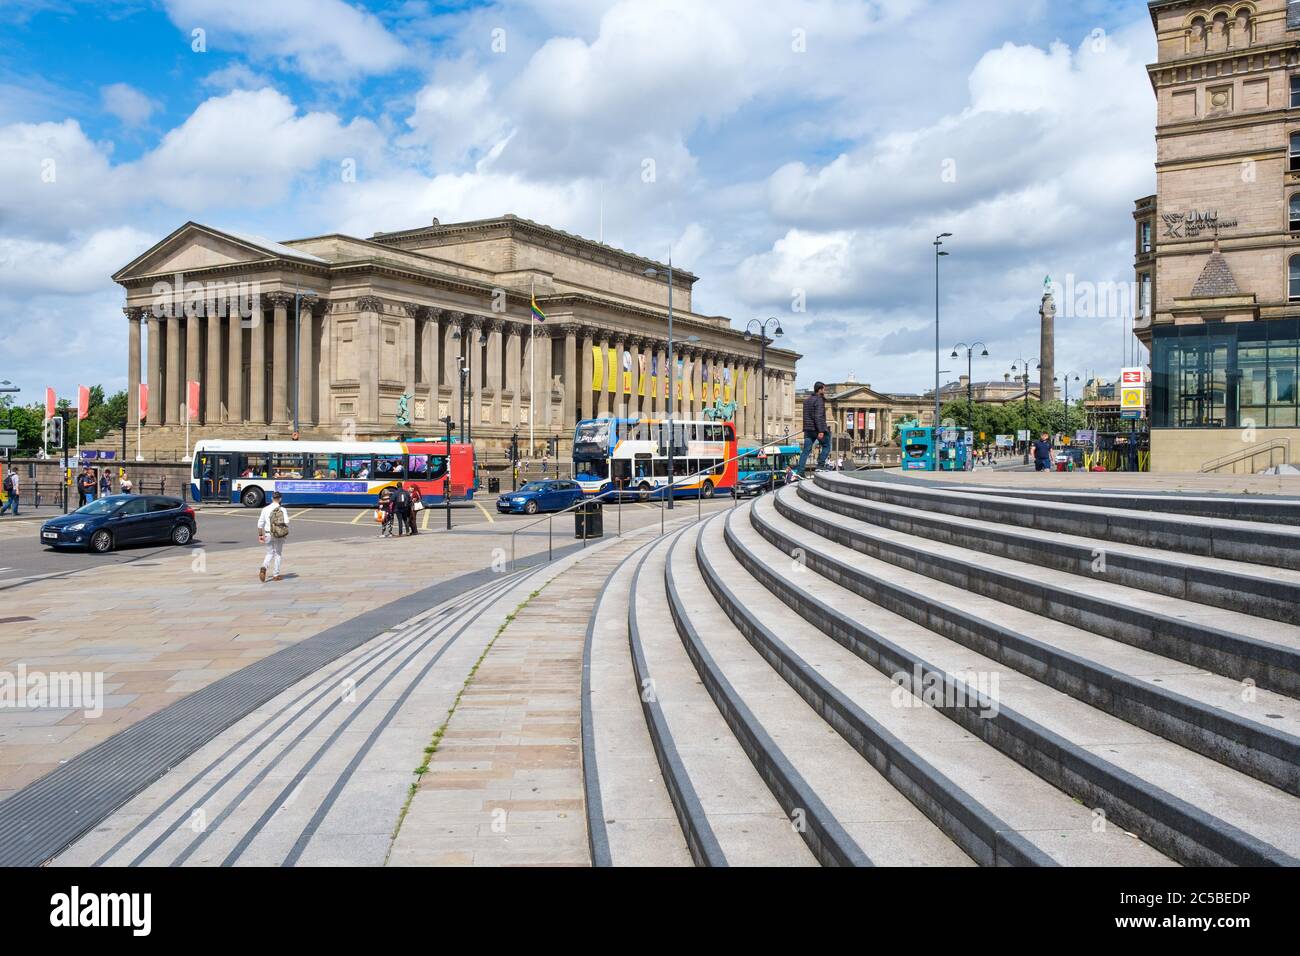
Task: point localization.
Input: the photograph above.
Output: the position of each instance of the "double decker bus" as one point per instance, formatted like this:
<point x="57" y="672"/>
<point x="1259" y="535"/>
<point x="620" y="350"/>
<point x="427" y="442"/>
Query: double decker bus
<point x="614" y="456"/>
<point x="328" y="472"/>
<point x="777" y="459"/>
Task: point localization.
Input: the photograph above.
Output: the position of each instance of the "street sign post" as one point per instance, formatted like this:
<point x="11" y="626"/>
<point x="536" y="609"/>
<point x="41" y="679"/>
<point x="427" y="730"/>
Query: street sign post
<point x="8" y="438"/>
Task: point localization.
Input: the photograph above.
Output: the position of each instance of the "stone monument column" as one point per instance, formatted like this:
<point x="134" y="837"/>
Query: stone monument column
<point x="133" y="316"/>
<point x="1047" y="344"/>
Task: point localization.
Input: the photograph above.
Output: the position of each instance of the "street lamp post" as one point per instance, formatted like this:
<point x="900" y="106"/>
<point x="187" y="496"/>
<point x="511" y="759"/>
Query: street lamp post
<point x="446" y="477"/>
<point x="761" y="327"/>
<point x="465" y="363"/>
<point x="652" y="272"/>
<point x="1028" y="430"/>
<point x="970" y="385"/>
<point x="938" y="241"/>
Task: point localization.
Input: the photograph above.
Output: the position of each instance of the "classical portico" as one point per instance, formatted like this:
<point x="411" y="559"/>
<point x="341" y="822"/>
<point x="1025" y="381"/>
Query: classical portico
<point x="331" y="332"/>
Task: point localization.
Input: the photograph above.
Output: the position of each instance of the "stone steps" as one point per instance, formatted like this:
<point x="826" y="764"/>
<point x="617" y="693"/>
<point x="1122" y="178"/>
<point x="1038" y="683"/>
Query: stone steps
<point x="832" y="675"/>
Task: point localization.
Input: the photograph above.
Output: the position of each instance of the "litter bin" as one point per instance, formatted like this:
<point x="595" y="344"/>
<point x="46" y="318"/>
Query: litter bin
<point x="494" y="485"/>
<point x="588" y="520"/>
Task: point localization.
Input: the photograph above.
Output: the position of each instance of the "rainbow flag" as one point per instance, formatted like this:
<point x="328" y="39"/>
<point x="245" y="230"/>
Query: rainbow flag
<point x="538" y="314"/>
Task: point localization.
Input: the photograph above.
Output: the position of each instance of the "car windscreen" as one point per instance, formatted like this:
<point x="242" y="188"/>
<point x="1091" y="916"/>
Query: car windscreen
<point x="103" y="506"/>
<point x="534" y="486"/>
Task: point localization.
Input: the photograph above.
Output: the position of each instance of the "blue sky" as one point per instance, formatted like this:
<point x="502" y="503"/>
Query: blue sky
<point x="785" y="168"/>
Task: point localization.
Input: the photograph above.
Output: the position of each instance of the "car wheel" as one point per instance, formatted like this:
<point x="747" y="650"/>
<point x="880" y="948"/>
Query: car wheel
<point x="706" y="489"/>
<point x="252" y="497"/>
<point x="181" y="534"/>
<point x="101" y="542"/>
<point x="530" y="508"/>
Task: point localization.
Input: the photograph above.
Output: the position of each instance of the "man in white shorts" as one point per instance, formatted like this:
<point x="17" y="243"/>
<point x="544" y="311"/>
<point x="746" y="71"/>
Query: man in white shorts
<point x="272" y="530"/>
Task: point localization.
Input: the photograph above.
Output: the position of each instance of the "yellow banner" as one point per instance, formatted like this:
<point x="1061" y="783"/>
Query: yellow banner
<point x="627" y="383"/>
<point x="612" y="382"/>
<point x="597" y="369"/>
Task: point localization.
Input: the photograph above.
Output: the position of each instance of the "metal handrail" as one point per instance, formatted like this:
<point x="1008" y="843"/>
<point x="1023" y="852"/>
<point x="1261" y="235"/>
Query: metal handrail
<point x="621" y="491"/>
<point x="1236" y="456"/>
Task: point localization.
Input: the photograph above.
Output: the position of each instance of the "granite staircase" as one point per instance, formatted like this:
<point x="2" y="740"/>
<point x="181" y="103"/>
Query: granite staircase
<point x="873" y="670"/>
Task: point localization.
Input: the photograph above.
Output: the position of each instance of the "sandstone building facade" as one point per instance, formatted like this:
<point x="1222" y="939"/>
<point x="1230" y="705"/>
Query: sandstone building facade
<point x="340" y="335"/>
<point x="1218" y="246"/>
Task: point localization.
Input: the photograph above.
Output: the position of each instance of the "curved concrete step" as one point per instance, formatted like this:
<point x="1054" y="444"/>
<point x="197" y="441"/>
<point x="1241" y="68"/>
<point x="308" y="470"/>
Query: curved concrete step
<point x="726" y="811"/>
<point x="1232" y="585"/>
<point x="1200" y="812"/>
<point x="848" y="814"/>
<point x="994" y="809"/>
<point x="630" y="817"/>
<point x="1269" y="508"/>
<point x="1251" y="542"/>
<point x="945" y="588"/>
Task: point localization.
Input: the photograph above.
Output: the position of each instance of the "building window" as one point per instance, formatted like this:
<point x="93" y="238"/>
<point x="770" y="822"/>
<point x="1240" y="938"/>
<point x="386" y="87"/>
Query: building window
<point x="1145" y="303"/>
<point x="1295" y="91"/>
<point x="1144" y="236"/>
<point x="1293" y="280"/>
<point x="1295" y="151"/>
<point x="1294" y="214"/>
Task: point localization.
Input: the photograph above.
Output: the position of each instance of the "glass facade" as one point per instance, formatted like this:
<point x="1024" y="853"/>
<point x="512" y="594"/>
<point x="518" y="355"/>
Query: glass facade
<point x="1225" y="375"/>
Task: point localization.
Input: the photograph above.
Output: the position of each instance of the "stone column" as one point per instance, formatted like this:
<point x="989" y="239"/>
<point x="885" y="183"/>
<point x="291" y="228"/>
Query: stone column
<point x="369" y="308"/>
<point x="571" y="383"/>
<point x="430" y="373"/>
<point x="193" y="359"/>
<point x="527" y="374"/>
<point x="450" y="352"/>
<point x="546" y="375"/>
<point x="153" y="415"/>
<point x="325" y="362"/>
<point x="212" y="380"/>
<point x="410" y="325"/>
<point x="660" y="406"/>
<point x="634" y="400"/>
<point x="235" y="367"/>
<point x="474" y="355"/>
<point x="584" y="385"/>
<point x="280" y="358"/>
<point x="172" y="381"/>
<point x="492" y="374"/>
<point x="133" y="316"/>
<point x="514" y="366"/>
<point x="697" y="378"/>
<point x="257" y="369"/>
<point x="306" y="362"/>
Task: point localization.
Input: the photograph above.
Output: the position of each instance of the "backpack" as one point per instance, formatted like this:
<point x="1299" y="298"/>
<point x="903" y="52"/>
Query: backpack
<point x="279" y="527"/>
<point x="9" y="483"/>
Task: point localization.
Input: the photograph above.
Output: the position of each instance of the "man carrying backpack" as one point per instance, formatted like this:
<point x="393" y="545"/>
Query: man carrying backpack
<point x="272" y="529"/>
<point x="11" y="492"/>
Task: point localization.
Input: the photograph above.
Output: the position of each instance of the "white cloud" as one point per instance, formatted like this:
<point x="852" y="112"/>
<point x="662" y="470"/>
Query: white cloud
<point x="236" y="76"/>
<point x="127" y="103"/>
<point x="322" y="39"/>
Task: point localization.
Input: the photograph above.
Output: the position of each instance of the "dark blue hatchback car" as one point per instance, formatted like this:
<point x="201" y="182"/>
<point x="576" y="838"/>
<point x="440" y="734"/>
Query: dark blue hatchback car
<point x="116" y="520"/>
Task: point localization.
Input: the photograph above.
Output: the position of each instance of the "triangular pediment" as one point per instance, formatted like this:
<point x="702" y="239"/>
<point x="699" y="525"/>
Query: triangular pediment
<point x="194" y="247"/>
<point x="859" y="393"/>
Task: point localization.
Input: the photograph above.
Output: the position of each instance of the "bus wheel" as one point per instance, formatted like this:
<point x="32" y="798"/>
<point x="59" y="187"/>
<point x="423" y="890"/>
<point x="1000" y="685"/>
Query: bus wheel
<point x="706" y="489"/>
<point x="252" y="497"/>
<point x="644" y="492"/>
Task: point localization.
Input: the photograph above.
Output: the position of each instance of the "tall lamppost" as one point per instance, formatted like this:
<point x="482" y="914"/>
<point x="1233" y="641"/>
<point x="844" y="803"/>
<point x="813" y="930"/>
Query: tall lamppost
<point x="970" y="385"/>
<point x="465" y="363"/>
<point x="446" y="477"/>
<point x="760" y="327"/>
<point x="938" y="252"/>
<point x="652" y="273"/>
<point x="1025" y="363"/>
<point x="298" y="296"/>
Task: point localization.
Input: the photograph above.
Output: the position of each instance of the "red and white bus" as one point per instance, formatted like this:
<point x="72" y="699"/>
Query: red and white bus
<point x="330" y="472"/>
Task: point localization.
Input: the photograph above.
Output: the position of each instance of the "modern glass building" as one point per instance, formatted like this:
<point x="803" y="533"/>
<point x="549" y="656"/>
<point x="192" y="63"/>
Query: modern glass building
<point x="1225" y="375"/>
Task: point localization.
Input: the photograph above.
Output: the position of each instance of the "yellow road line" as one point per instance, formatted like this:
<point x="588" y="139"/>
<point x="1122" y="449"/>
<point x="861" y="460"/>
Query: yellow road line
<point x="360" y="515"/>
<point x="487" y="514"/>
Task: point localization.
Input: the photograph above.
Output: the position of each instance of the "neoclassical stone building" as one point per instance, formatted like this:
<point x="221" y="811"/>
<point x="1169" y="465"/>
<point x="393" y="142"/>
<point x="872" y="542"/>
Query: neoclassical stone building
<point x="333" y="331"/>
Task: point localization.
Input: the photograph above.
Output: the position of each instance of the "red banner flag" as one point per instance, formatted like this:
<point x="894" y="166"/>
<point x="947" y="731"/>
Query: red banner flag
<point x="192" y="401"/>
<point x="144" y="401"/>
<point x="83" y="402"/>
<point x="50" y="402"/>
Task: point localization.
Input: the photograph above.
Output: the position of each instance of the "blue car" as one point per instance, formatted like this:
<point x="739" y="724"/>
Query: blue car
<point x="550" y="495"/>
<point x="116" y="520"/>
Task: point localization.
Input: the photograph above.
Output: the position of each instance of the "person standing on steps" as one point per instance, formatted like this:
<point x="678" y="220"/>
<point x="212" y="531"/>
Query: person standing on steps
<point x="815" y="429"/>
<point x="272" y="530"/>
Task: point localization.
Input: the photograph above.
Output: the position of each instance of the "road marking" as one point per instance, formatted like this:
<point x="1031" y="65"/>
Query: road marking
<point x="299" y="514"/>
<point x="360" y="514"/>
<point x="487" y="514"/>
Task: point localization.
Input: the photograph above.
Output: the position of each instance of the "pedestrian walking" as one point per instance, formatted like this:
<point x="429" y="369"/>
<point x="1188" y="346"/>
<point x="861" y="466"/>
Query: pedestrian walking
<point x="402" y="509"/>
<point x="86" y="486"/>
<point x="1043" y="453"/>
<point x="417" y="505"/>
<point x="124" y="483"/>
<point x="105" y="482"/>
<point x="272" y="530"/>
<point x="12" y="490"/>
<point x="386" y="509"/>
<point x="815" y="429"/>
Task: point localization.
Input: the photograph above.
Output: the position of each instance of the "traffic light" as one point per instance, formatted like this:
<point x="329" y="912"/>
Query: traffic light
<point x="552" y="447"/>
<point x="54" y="431"/>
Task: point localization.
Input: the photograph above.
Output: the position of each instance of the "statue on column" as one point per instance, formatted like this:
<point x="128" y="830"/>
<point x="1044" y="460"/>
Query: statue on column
<point x="403" y="413"/>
